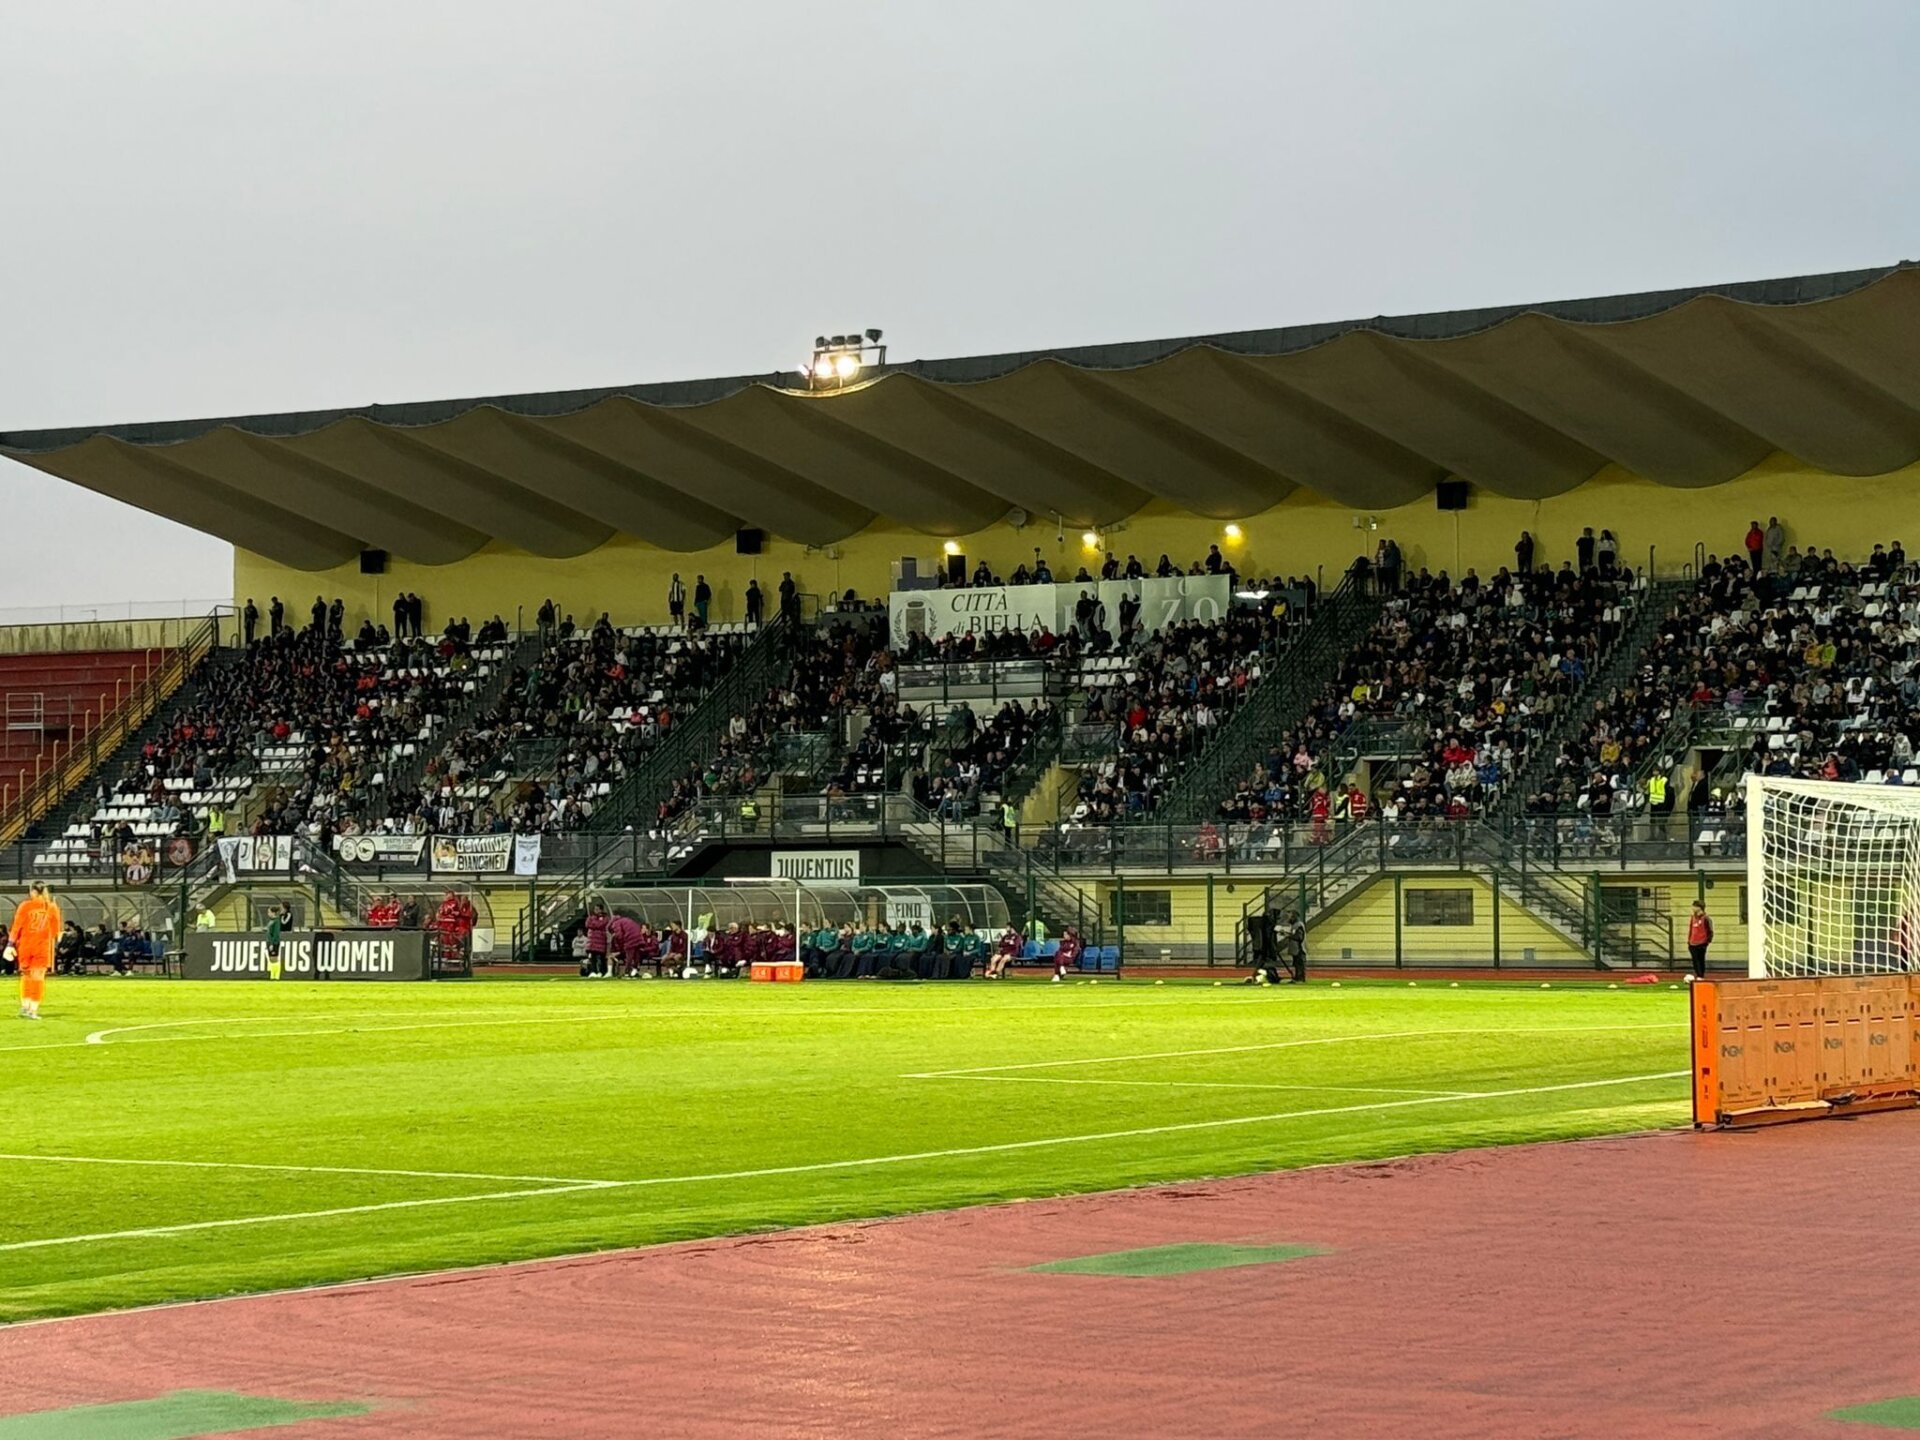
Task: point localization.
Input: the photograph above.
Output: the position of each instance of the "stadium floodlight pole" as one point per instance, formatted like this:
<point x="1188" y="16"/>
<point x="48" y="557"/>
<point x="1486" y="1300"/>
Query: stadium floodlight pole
<point x="837" y="360"/>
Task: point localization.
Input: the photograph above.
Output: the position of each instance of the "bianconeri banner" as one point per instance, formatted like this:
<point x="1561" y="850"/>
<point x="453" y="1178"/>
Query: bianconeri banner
<point x="309" y="955"/>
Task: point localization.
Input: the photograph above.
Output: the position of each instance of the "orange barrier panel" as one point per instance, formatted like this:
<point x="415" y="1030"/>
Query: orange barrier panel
<point x="1767" y="1050"/>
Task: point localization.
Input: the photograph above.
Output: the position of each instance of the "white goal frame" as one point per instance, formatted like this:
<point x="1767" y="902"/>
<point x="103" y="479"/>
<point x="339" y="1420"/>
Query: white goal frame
<point x="1833" y="878"/>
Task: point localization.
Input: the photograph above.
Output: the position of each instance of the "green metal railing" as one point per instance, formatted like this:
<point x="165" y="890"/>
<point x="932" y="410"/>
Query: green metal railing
<point x="1295" y="675"/>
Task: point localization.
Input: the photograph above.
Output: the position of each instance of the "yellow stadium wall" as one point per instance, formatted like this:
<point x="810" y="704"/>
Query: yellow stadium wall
<point x="1361" y="931"/>
<point x="627" y="577"/>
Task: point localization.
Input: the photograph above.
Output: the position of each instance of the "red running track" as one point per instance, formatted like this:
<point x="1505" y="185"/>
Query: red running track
<point x="1664" y="1285"/>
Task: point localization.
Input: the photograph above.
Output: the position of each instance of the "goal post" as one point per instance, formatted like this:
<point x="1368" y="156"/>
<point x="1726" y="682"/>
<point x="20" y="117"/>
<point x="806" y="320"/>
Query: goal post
<point x="1833" y="878"/>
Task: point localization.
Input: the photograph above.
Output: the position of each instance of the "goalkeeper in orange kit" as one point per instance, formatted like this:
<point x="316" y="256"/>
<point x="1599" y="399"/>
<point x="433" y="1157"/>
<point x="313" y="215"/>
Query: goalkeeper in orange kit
<point x="30" y="944"/>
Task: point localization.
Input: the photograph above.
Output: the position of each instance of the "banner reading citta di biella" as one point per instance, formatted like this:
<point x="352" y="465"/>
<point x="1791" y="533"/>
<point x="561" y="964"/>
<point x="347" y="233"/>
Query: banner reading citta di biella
<point x="309" y="955"/>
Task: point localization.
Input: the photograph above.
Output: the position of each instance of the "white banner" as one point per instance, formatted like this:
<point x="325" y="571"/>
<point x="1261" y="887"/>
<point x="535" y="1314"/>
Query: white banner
<point x="256" y="855"/>
<point x="987" y="609"/>
<point x="817" y="867"/>
<point x="472" y="854"/>
<point x="1165" y="602"/>
<point x="526" y="854"/>
<point x="909" y="910"/>
<point x="980" y="611"/>
<point x="380" y="849"/>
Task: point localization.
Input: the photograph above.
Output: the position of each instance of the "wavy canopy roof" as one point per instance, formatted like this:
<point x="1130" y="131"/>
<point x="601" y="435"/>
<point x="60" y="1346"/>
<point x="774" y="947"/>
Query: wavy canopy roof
<point x="1685" y="387"/>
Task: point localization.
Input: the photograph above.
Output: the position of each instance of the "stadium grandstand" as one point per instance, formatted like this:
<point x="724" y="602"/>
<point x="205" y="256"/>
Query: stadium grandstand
<point x="1453" y="634"/>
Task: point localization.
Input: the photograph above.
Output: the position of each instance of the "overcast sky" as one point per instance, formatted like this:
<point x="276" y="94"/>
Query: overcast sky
<point x="217" y="208"/>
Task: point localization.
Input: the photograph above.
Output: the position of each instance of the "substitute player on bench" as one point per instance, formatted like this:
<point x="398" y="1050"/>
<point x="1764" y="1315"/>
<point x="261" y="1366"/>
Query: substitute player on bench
<point x="31" y="940"/>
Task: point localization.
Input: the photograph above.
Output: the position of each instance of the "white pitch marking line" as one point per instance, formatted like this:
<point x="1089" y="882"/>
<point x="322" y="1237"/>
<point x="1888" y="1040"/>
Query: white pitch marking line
<point x="1195" y="1084"/>
<point x="866" y="1163"/>
<point x="158" y="1230"/>
<point x="535" y="1018"/>
<point x="298" y="1169"/>
<point x="1293" y="1044"/>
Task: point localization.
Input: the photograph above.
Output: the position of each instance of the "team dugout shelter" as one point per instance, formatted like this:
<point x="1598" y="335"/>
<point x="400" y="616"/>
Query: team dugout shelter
<point x="1672" y="417"/>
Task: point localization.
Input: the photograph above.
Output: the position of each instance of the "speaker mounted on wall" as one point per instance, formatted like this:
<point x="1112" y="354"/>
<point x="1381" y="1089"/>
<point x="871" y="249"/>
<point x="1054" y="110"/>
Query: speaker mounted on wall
<point x="1450" y="495"/>
<point x="373" y="562"/>
<point x="748" y="542"/>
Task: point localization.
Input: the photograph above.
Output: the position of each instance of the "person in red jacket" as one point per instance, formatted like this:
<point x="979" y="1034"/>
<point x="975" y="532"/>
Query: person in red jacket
<point x="623" y="940"/>
<point x="1067" y="957"/>
<point x="599" y="929"/>
<point x="1755" y="542"/>
<point x="1699" y="936"/>
<point x="1005" y="951"/>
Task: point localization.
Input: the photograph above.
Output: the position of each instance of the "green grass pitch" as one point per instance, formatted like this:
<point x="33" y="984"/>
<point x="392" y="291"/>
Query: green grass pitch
<point x="300" y="1133"/>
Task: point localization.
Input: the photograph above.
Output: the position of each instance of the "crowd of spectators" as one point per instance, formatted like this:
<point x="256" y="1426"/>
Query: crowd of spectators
<point x="1473" y="671"/>
<point x="1810" y="656"/>
<point x="973" y="759"/>
<point x="340" y="711"/>
<point x="836" y="672"/>
<point x="571" y="724"/>
<point x="1179" y="685"/>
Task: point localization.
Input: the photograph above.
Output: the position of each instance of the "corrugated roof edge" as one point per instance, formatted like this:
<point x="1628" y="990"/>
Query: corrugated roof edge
<point x="1128" y="355"/>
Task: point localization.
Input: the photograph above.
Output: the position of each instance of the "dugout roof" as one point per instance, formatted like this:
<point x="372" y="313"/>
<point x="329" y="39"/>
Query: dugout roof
<point x="1685" y="387"/>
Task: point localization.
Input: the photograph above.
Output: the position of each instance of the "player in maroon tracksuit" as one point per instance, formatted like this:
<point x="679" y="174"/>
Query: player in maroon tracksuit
<point x="1067" y="957"/>
<point x="598" y="927"/>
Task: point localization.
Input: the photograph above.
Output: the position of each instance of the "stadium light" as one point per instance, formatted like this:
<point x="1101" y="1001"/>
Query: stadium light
<point x="952" y="547"/>
<point x="838" y="360"/>
<point x="1232" y="532"/>
<point x="1090" y="539"/>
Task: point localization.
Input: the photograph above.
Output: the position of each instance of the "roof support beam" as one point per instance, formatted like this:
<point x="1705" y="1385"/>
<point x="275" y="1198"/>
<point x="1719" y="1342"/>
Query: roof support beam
<point x="1326" y="449"/>
<point x="269" y="470"/>
<point x="714" y="471"/>
<point x="1393" y="388"/>
<point x="544" y="459"/>
<point x="996" y="455"/>
<point x="465" y="493"/>
<point x="148" y="479"/>
<point x="1563" y="377"/>
<point x="1748" y="366"/>
<point x="1101" y="419"/>
<point x="815" y="440"/>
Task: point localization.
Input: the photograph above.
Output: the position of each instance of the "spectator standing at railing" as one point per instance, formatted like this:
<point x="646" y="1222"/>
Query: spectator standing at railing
<point x="756" y="602"/>
<point x="789" y="598"/>
<point x="676" y="600"/>
<point x="1756" y="543"/>
<point x="1774" y="544"/>
<point x="250" y="619"/>
<point x="1523" y="553"/>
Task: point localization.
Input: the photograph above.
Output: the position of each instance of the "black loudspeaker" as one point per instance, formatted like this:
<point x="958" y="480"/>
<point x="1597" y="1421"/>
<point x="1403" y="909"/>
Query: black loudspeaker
<point x="373" y="562"/>
<point x="956" y="569"/>
<point x="748" y="542"/>
<point x="1450" y="495"/>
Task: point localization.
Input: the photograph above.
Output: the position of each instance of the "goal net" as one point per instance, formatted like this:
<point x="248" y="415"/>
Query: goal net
<point x="1833" y="878"/>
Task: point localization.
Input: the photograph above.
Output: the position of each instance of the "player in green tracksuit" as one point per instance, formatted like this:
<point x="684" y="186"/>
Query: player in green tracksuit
<point x="916" y="957"/>
<point x="868" y="951"/>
